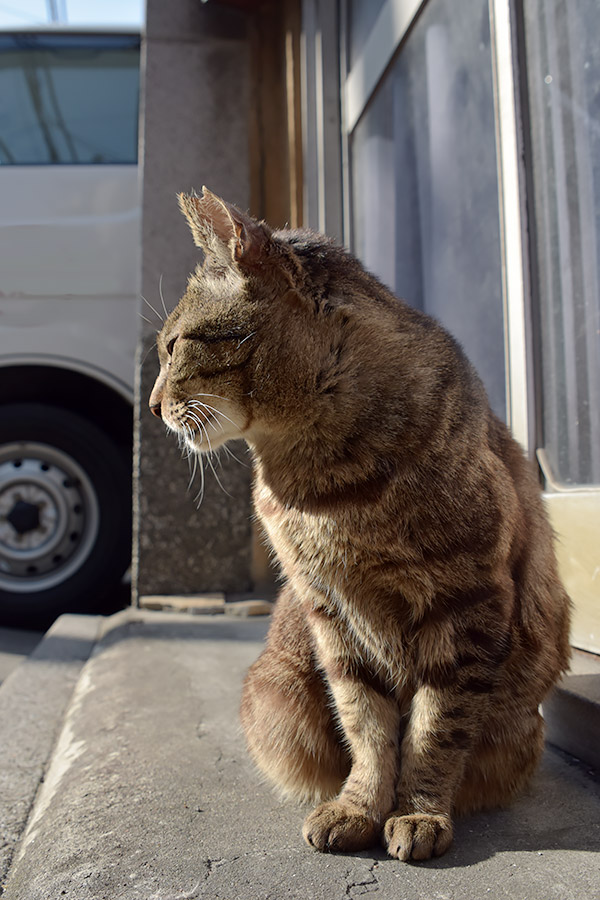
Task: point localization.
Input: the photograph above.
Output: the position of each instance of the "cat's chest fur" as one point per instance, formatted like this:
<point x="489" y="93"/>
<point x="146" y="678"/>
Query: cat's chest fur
<point x="311" y="548"/>
<point x="334" y="570"/>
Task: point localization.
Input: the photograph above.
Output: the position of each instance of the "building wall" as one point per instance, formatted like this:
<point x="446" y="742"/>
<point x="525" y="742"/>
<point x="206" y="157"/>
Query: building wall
<point x="196" y="100"/>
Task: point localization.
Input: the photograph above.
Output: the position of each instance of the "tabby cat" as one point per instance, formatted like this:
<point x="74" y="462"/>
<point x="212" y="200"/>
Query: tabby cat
<point x="422" y="620"/>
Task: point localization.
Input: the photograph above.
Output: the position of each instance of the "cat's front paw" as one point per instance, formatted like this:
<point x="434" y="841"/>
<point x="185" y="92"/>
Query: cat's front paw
<point x="335" y="826"/>
<point x="418" y="836"/>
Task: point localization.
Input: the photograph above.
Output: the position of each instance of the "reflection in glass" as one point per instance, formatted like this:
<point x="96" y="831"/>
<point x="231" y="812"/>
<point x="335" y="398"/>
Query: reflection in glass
<point x="362" y="17"/>
<point x="563" y="66"/>
<point x="424" y="182"/>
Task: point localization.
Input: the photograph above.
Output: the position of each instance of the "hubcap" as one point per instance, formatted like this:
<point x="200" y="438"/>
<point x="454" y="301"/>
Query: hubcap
<point x="49" y="517"/>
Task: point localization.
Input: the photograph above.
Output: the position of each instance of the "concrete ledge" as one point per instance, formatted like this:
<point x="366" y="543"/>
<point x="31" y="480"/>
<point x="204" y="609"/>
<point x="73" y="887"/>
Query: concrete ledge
<point x="197" y="604"/>
<point x="207" y="604"/>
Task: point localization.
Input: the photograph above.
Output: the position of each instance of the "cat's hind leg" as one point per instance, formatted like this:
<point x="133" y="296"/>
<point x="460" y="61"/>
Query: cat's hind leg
<point x="286" y="712"/>
<point x="501" y="763"/>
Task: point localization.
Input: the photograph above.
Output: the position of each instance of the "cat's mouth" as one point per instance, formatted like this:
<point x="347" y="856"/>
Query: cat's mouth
<point x="202" y="425"/>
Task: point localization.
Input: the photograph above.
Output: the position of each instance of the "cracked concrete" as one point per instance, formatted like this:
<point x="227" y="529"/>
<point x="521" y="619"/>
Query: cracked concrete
<point x="152" y="797"/>
<point x="369" y="885"/>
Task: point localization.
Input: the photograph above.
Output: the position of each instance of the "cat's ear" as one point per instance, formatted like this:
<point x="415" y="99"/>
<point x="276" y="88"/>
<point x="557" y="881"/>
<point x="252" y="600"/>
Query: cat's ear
<point x="223" y="230"/>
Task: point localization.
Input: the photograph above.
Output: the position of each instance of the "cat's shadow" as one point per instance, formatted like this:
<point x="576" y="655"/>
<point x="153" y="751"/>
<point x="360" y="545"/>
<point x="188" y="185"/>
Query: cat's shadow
<point x="560" y="812"/>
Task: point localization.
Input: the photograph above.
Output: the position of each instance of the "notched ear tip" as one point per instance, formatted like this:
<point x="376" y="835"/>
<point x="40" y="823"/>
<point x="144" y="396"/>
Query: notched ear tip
<point x="210" y="197"/>
<point x="213" y="207"/>
<point x="187" y="202"/>
<point x="219" y="228"/>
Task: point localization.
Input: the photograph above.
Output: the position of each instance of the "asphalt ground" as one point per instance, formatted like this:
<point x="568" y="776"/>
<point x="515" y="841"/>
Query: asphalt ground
<point x="15" y="645"/>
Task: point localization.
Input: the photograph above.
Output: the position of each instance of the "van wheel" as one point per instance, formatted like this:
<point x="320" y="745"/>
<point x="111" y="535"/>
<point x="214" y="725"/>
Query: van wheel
<point x="65" y="514"/>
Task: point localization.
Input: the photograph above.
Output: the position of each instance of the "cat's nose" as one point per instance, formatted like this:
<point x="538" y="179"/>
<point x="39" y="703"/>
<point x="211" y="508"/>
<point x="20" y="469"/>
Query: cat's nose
<point x="156" y="410"/>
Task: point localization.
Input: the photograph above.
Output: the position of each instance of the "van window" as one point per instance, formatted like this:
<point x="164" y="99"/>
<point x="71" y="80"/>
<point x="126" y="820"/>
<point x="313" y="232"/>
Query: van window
<point x="68" y="99"/>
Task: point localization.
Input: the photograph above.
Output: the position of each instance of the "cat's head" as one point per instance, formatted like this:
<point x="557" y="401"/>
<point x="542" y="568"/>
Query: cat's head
<point x="247" y="351"/>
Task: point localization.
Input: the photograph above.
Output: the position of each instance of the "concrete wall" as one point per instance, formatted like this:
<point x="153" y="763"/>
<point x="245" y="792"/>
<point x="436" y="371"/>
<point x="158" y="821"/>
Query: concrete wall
<point x="196" y="102"/>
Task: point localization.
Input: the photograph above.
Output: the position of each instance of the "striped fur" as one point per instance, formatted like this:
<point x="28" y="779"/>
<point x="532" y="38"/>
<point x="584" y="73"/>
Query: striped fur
<point x="422" y="620"/>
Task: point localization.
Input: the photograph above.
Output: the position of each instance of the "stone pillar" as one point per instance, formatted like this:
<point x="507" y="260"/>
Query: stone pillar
<point x="195" y="78"/>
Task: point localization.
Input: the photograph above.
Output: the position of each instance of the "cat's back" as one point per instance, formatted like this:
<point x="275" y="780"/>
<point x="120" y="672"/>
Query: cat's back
<point x="414" y="490"/>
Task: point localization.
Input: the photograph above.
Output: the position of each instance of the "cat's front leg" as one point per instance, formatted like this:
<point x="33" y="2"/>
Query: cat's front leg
<point x="434" y="752"/>
<point x="369" y="716"/>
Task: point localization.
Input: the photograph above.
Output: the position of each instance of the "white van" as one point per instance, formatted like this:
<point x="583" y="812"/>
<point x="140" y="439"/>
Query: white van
<point x="69" y="263"/>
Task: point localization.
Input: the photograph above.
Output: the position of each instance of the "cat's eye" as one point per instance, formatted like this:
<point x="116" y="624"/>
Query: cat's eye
<point x="170" y="346"/>
<point x="218" y="338"/>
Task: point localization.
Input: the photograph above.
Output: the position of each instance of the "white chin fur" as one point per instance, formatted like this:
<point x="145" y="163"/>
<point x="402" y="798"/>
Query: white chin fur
<point x="199" y="443"/>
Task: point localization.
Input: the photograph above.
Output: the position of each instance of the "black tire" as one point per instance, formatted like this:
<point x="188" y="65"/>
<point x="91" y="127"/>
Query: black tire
<point x="65" y="514"/>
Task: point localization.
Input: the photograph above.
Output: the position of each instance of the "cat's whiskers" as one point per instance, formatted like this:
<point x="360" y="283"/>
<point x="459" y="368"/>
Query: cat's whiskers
<point x="157" y="314"/>
<point x="194" y="465"/>
<point x="189" y="435"/>
<point x="193" y="404"/>
<point x="200" y="495"/>
<point x="233" y="456"/>
<point x="162" y="299"/>
<point x="189" y="432"/>
<point x="194" y="418"/>
<point x="201" y="425"/>
<point x="204" y="432"/>
<point x="243" y="341"/>
<point x="209" y="421"/>
<point x="201" y="405"/>
<point x="152" y="346"/>
<point x="214" y="471"/>
<point x="180" y="437"/>
<point x="184" y="447"/>
<point x="210" y="462"/>
<point x="142" y="316"/>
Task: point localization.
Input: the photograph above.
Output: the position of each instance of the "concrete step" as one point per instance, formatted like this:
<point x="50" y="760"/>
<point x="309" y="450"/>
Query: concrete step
<point x="572" y="711"/>
<point x="150" y="795"/>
